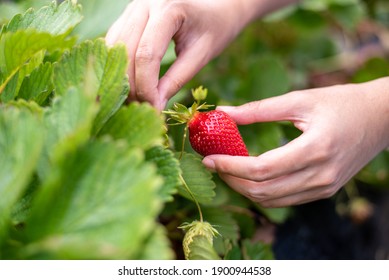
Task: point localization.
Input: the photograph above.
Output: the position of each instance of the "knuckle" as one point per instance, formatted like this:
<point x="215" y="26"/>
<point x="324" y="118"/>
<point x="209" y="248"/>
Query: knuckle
<point x="260" y="194"/>
<point x="324" y="150"/>
<point x="259" y="170"/>
<point x="329" y="178"/>
<point x="145" y="55"/>
<point x="175" y="83"/>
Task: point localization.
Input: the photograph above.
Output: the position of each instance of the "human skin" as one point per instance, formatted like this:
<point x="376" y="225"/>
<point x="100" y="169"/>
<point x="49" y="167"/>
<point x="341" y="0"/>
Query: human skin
<point x="343" y="126"/>
<point x="201" y="29"/>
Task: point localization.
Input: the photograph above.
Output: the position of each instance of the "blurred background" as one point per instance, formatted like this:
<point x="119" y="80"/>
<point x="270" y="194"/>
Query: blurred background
<point x="316" y="43"/>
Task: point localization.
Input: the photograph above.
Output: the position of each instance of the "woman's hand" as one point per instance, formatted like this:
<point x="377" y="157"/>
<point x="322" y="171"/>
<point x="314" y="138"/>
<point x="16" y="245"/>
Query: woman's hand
<point x="343" y="127"/>
<point x="200" y="28"/>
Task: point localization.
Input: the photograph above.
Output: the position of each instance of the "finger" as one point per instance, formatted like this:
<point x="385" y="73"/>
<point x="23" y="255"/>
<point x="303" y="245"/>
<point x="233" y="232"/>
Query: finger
<point x="128" y="29"/>
<point x="189" y="62"/>
<point x="155" y="40"/>
<point x="287" y="107"/>
<point x="299" y="198"/>
<point x="282" y="161"/>
<point x="298" y="188"/>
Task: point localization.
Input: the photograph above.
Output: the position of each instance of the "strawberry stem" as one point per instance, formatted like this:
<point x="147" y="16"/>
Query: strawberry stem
<point x="183" y="142"/>
<point x="193" y="197"/>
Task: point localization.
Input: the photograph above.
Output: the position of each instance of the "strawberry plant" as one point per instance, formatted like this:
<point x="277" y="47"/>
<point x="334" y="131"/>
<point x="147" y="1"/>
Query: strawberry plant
<point x="84" y="175"/>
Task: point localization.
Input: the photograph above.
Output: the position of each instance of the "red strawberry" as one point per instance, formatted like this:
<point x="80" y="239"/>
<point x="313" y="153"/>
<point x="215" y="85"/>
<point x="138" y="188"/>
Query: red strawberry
<point x="212" y="132"/>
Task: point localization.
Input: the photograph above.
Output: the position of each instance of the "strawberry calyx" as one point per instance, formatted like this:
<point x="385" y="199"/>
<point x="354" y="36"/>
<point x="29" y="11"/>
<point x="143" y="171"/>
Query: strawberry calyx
<point x="182" y="114"/>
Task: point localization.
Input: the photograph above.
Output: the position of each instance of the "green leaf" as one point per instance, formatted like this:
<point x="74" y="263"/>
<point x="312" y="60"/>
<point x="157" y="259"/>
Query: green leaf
<point x="19" y="48"/>
<point x="139" y="124"/>
<point x="157" y="246"/>
<point x="223" y="222"/>
<point x="377" y="171"/>
<point x="319" y="5"/>
<point x="257" y="250"/>
<point x="202" y="249"/>
<point x="168" y="167"/>
<point x="198" y="179"/>
<point x="262" y="137"/>
<point x="373" y="68"/>
<point x="99" y="16"/>
<point x="69" y="123"/>
<point x="276" y="215"/>
<point x="11" y="90"/>
<point x="54" y="19"/>
<point x="101" y="201"/>
<point x="38" y="85"/>
<point x="21" y="141"/>
<point x="109" y="72"/>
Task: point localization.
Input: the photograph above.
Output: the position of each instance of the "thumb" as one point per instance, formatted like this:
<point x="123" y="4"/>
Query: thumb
<point x="287" y="107"/>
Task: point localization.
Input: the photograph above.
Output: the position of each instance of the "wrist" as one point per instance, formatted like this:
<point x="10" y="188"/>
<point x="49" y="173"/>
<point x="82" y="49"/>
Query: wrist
<point x="377" y="94"/>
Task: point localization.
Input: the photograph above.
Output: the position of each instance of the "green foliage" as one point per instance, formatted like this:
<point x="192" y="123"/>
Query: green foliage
<point x="21" y="142"/>
<point x="198" y="179"/>
<point x="168" y="168"/>
<point x="89" y="205"/>
<point x="108" y="82"/>
<point x="54" y="19"/>
<point x="83" y="174"/>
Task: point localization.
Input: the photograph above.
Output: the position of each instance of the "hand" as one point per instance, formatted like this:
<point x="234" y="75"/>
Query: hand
<point x="343" y="127"/>
<point x="200" y="28"/>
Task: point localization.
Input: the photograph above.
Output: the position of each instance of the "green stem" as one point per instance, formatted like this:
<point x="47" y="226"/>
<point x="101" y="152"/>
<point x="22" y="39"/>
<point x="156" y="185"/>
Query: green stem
<point x="183" y="142"/>
<point x="193" y="197"/>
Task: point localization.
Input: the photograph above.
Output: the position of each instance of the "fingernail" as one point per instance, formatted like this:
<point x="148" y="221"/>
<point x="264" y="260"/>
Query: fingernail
<point x="224" y="108"/>
<point x="209" y="164"/>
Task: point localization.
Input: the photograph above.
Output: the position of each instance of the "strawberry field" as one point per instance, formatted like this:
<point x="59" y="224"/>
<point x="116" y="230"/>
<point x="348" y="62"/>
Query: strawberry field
<point x="86" y="175"/>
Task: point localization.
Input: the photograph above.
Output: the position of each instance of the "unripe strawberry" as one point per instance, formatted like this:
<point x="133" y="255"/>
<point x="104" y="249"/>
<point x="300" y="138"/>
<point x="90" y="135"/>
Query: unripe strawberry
<point x="211" y="132"/>
<point x="197" y="228"/>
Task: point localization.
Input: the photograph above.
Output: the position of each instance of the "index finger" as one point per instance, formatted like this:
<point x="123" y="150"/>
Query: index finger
<point x="152" y="46"/>
<point x="281" y="161"/>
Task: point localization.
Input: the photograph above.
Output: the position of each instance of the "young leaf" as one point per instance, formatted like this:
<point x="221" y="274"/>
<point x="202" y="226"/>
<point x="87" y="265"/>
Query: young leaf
<point x="168" y="167"/>
<point x="100" y="201"/>
<point x="54" y="19"/>
<point x="109" y="69"/>
<point x="198" y="179"/>
<point x="21" y="140"/>
<point x="139" y="124"/>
